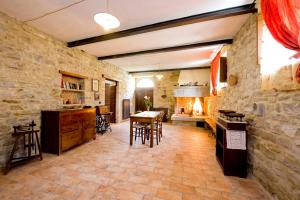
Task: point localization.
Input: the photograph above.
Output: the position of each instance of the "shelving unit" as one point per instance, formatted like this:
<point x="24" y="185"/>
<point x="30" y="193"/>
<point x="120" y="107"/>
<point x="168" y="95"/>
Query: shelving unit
<point x="232" y="161"/>
<point x="72" y="105"/>
<point x="72" y="89"/>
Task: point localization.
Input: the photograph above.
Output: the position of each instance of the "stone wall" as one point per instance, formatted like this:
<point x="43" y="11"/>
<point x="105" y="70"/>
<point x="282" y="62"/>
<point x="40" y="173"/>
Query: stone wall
<point x="274" y="140"/>
<point x="210" y="107"/>
<point x="164" y="86"/>
<point x="30" y="81"/>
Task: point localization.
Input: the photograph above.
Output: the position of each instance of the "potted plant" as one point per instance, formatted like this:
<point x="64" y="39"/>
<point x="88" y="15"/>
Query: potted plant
<point x="147" y="102"/>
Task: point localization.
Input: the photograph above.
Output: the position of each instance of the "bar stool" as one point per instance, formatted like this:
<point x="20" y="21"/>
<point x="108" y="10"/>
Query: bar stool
<point x="30" y="141"/>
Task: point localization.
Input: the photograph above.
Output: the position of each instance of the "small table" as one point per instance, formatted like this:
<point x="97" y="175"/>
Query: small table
<point x="144" y="117"/>
<point x="30" y="141"/>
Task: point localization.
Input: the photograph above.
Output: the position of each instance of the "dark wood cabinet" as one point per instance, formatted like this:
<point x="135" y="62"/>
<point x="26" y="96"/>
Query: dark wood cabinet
<point x="64" y="129"/>
<point x="232" y="161"/>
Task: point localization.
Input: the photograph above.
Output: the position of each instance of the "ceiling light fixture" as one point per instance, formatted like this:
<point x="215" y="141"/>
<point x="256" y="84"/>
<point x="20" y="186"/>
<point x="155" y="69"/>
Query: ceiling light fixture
<point x="159" y="76"/>
<point x="106" y="20"/>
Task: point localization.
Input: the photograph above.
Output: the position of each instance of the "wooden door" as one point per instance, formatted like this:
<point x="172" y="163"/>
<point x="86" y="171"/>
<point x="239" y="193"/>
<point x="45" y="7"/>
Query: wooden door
<point x="126" y="109"/>
<point x="110" y="98"/>
<point x="140" y="93"/>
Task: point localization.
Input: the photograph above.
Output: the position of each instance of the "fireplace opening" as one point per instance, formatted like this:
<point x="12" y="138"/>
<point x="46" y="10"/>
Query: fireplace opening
<point x="189" y="111"/>
<point x="197" y="107"/>
<point x="189" y="106"/>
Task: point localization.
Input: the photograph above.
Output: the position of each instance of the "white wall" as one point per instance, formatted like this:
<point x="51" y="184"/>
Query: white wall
<point x="202" y="76"/>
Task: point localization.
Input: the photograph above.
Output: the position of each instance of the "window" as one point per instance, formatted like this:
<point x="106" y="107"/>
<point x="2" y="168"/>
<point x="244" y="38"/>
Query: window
<point x="277" y="67"/>
<point x="274" y="56"/>
<point x="145" y="83"/>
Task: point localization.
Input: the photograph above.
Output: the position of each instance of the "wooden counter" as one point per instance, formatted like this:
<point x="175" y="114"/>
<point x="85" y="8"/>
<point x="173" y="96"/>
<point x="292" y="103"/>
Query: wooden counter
<point x="65" y="129"/>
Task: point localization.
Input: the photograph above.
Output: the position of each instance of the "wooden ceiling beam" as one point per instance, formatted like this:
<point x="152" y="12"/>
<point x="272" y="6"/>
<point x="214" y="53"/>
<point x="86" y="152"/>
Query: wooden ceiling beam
<point x="167" y="49"/>
<point x="229" y="12"/>
<point x="167" y="70"/>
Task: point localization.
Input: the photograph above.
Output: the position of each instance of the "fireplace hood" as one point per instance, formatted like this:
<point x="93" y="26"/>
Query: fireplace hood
<point x="191" y="91"/>
<point x="193" y="83"/>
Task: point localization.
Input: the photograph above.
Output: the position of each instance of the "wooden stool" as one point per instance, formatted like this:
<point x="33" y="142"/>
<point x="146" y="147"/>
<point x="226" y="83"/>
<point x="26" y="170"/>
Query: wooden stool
<point x="32" y="143"/>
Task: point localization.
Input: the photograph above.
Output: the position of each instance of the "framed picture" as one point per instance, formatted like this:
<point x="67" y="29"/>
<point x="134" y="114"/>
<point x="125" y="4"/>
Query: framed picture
<point x="95" y="85"/>
<point x="96" y="96"/>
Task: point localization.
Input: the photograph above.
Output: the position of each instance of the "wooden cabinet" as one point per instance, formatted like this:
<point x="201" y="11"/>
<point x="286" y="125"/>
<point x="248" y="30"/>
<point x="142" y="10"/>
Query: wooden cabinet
<point x="232" y="161"/>
<point x="64" y="129"/>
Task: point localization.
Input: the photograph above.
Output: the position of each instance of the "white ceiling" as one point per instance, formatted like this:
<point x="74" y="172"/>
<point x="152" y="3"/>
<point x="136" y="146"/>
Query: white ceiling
<point x="218" y="29"/>
<point x="76" y="22"/>
<point x="196" y="57"/>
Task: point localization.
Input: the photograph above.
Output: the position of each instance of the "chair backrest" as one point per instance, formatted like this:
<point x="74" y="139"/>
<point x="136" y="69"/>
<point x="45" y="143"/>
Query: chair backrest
<point x="165" y="117"/>
<point x="161" y="116"/>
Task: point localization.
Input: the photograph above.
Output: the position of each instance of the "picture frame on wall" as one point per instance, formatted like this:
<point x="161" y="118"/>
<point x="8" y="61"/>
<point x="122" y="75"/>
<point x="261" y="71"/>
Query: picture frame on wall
<point x="96" y="96"/>
<point x="95" y="85"/>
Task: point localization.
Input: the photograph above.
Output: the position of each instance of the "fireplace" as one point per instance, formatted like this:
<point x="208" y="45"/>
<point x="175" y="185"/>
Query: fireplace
<point x="189" y="111"/>
<point x="189" y="97"/>
<point x="189" y="106"/>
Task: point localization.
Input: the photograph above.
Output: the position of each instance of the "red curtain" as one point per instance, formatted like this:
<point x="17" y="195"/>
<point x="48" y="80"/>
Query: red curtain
<point x="215" y="64"/>
<point x="298" y="74"/>
<point x="282" y="18"/>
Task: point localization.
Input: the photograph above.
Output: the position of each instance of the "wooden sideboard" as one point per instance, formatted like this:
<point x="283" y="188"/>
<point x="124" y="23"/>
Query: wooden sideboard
<point x="64" y="129"/>
<point x="232" y="161"/>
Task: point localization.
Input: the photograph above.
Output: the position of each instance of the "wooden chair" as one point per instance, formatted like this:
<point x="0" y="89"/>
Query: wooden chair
<point x="155" y="133"/>
<point x="30" y="141"/>
<point x="159" y="123"/>
<point x="157" y="129"/>
<point x="139" y="130"/>
<point x="160" y="120"/>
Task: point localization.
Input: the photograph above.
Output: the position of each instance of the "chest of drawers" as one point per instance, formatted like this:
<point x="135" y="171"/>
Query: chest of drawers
<point x="65" y="129"/>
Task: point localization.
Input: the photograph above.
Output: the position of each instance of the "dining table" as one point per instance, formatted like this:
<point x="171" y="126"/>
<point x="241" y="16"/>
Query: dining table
<point x="147" y="117"/>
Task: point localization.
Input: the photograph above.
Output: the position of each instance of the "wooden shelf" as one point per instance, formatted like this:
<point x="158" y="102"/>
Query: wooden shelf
<point x="71" y="90"/>
<point x="72" y="74"/>
<point x="70" y="105"/>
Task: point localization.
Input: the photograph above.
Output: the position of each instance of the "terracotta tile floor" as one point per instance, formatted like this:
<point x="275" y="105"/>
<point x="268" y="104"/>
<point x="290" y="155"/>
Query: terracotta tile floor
<point x="182" y="167"/>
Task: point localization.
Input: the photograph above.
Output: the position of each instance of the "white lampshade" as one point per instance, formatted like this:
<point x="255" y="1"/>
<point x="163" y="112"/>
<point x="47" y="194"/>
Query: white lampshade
<point x="107" y="21"/>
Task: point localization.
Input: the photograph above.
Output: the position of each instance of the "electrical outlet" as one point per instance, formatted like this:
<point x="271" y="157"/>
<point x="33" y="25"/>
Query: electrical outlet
<point x="259" y="109"/>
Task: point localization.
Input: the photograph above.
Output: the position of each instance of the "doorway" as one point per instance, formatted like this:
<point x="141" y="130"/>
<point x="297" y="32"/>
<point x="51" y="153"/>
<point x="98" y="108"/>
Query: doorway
<point x="140" y="93"/>
<point x="110" y="97"/>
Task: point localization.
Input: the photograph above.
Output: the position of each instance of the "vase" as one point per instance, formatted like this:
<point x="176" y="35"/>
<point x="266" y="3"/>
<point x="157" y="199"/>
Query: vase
<point x="148" y="108"/>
